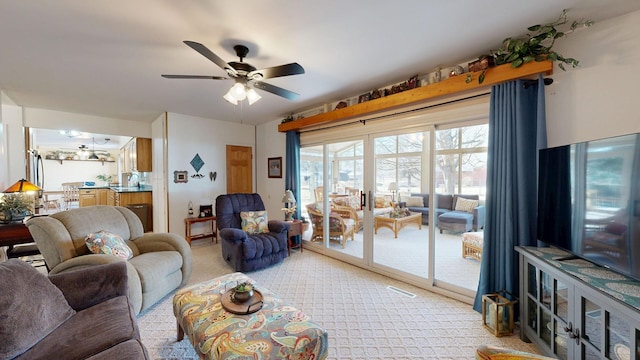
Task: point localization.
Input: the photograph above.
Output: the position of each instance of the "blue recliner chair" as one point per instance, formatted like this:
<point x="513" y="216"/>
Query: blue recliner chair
<point x="248" y="252"/>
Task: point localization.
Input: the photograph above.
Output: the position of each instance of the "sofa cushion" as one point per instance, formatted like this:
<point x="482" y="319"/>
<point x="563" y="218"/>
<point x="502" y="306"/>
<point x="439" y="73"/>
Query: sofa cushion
<point x="381" y="201"/>
<point x="417" y="201"/>
<point x="150" y="273"/>
<point x="456" y="217"/>
<point x="254" y="222"/>
<point x="130" y="349"/>
<point x="351" y="201"/>
<point x="89" y="332"/>
<point x="466" y="205"/>
<point x="30" y="309"/>
<point x="104" y="242"/>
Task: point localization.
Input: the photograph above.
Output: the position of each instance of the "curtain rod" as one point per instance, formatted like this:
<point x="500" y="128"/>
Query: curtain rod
<point x="364" y="121"/>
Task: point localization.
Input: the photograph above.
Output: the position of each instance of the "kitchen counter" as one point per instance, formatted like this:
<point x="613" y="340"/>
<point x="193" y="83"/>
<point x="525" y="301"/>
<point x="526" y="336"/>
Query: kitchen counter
<point x="120" y="189"/>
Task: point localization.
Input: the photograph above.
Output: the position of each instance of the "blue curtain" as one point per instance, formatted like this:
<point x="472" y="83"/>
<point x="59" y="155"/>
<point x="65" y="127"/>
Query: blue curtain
<point x="292" y="165"/>
<point x="517" y="130"/>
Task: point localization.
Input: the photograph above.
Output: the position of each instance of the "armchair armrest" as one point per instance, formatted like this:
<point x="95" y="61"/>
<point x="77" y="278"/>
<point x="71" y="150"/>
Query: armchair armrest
<point x="479" y="217"/>
<point x="232" y="234"/>
<point x="151" y="242"/>
<point x="89" y="286"/>
<point x="347" y="212"/>
<point x="278" y="226"/>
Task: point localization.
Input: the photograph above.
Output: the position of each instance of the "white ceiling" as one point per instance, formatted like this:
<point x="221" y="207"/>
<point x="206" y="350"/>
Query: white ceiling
<point x="105" y="57"/>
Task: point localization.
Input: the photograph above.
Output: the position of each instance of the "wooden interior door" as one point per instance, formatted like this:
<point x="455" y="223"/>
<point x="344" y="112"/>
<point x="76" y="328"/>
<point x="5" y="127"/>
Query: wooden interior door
<point x="239" y="169"/>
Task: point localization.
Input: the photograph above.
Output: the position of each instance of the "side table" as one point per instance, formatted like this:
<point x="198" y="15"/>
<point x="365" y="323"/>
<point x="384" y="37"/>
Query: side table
<point x="190" y="221"/>
<point x="294" y="230"/>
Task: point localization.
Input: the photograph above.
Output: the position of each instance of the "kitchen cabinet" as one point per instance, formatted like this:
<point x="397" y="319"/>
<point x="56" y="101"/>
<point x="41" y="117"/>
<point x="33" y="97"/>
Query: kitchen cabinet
<point x="136" y="155"/>
<point x="89" y="197"/>
<point x="573" y="309"/>
<point x="124" y="198"/>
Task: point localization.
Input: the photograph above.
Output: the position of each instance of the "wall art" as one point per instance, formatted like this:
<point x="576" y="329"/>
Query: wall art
<point x="275" y="167"/>
<point x="180" y="176"/>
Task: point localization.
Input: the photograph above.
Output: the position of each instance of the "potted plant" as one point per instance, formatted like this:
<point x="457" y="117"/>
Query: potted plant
<point x="537" y="45"/>
<point x="14" y="208"/>
<point x="104" y="177"/>
<point x="242" y="292"/>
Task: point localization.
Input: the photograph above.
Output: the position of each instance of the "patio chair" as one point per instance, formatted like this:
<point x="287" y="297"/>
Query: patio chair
<point x="340" y="229"/>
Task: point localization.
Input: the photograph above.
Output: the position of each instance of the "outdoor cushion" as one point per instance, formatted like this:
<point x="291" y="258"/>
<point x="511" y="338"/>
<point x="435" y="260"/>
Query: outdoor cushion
<point x="458" y="217"/>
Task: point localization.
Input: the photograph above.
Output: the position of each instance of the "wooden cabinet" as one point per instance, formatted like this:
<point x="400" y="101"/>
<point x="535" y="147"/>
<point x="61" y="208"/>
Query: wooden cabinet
<point x="573" y="309"/>
<point x="136" y="155"/>
<point x="115" y="198"/>
<point x="90" y="197"/>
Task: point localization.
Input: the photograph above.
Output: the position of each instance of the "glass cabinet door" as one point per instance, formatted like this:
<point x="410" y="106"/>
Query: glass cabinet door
<point x="548" y="311"/>
<point x="604" y="334"/>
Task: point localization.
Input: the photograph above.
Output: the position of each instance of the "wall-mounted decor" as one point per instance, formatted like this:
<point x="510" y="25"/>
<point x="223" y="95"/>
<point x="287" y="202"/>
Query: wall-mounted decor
<point x="180" y="176"/>
<point x="213" y="175"/>
<point x="206" y="210"/>
<point x="197" y="164"/>
<point x="275" y="167"/>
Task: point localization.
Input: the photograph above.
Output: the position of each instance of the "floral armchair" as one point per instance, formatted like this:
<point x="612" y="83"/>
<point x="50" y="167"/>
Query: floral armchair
<point x="349" y="207"/>
<point x="340" y="228"/>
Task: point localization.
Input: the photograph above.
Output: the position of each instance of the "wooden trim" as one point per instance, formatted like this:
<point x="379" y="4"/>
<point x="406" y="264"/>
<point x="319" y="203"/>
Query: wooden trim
<point x="452" y="85"/>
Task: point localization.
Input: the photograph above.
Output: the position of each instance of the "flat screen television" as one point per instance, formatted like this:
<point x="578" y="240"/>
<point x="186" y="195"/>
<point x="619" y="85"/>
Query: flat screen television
<point x="589" y="201"/>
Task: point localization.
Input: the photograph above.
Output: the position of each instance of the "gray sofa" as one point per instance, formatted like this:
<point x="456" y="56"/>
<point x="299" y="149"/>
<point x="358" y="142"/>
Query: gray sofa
<point x="75" y="315"/>
<point x="447" y="218"/>
<point x="161" y="262"/>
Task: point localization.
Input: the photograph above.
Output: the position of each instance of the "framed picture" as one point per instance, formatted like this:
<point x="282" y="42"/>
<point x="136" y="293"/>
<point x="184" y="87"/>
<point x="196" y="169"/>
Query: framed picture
<point x="205" y="211"/>
<point x="275" y="167"/>
<point x="180" y="177"/>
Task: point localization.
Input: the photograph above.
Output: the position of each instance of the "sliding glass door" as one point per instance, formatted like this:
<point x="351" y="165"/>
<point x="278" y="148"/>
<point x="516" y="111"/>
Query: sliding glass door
<point x="401" y="233"/>
<point x="390" y="201"/>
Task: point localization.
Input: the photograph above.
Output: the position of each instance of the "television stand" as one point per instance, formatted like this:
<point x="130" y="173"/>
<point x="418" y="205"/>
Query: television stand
<point x="573" y="309"/>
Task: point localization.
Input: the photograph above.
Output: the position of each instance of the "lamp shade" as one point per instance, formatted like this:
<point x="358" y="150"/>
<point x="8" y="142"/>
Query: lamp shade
<point x="393" y="186"/>
<point x="288" y="197"/>
<point x="22" y="185"/>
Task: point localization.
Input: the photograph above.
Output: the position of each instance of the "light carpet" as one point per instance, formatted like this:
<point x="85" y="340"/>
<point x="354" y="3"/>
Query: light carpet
<point x="364" y="319"/>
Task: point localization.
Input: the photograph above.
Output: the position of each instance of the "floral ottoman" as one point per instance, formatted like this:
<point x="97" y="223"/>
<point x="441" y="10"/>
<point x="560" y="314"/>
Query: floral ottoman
<point x="276" y="331"/>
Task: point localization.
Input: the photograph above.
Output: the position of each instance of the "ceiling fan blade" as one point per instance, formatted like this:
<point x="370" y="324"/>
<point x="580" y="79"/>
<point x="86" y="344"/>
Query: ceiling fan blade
<point x="195" y="77"/>
<point x="277" y="71"/>
<point x="204" y="51"/>
<point x="275" y="90"/>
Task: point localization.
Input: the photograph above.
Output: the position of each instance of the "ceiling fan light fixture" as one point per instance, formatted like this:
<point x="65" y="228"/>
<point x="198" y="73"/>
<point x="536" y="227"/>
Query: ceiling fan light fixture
<point x="229" y="97"/>
<point x="253" y="96"/>
<point x="239" y="92"/>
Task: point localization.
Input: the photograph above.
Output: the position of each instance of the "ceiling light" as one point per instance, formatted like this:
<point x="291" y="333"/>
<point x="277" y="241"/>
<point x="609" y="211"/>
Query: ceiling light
<point x="239" y="92"/>
<point x="253" y="96"/>
<point x="70" y="133"/>
<point x="229" y="97"/>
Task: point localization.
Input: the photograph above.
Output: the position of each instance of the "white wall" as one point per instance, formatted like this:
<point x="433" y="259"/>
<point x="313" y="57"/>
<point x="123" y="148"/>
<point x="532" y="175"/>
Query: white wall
<point x="51" y="119"/>
<point x="60" y="171"/>
<point x="600" y="98"/>
<point x="159" y="175"/>
<point x="188" y="136"/>
<point x="270" y="143"/>
<point x="13" y="164"/>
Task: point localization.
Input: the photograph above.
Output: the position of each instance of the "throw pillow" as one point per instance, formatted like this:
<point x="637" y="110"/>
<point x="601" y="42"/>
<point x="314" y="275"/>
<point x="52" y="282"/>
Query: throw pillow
<point x="415" y="201"/>
<point x="31" y="307"/>
<point x="104" y="242"/>
<point x="254" y="222"/>
<point x="381" y="201"/>
<point x="466" y="205"/>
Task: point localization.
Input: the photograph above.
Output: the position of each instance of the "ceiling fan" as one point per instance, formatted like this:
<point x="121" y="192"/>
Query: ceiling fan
<point x="244" y="73"/>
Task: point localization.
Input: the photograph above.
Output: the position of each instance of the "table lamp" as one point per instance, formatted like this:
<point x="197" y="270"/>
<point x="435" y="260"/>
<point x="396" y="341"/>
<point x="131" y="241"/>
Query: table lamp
<point x="288" y="199"/>
<point x="15" y="203"/>
<point x="393" y="187"/>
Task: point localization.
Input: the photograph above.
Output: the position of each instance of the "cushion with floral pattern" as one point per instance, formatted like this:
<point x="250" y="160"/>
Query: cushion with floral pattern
<point x="254" y="222"/>
<point x="104" y="242"/>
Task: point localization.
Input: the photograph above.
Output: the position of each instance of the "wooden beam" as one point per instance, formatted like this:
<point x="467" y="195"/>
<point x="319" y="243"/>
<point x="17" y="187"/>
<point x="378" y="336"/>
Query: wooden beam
<point x="453" y="85"/>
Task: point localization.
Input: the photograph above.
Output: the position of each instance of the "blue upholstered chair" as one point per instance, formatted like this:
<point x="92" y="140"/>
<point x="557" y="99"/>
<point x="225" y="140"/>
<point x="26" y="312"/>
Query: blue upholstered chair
<point x="248" y="252"/>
